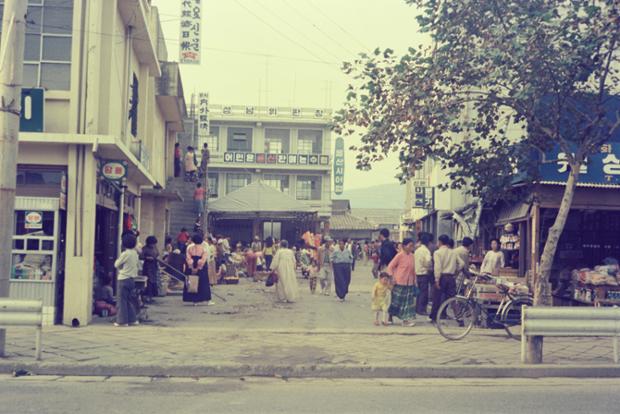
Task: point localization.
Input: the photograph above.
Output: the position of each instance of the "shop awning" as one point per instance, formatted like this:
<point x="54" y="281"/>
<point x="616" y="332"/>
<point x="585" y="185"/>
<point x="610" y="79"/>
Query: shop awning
<point x="257" y="199"/>
<point x="513" y="213"/>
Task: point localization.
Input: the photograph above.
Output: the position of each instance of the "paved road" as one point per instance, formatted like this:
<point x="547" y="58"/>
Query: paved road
<point x="95" y="395"/>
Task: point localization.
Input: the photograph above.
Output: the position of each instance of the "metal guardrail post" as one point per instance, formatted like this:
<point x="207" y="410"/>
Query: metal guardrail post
<point x="523" y="338"/>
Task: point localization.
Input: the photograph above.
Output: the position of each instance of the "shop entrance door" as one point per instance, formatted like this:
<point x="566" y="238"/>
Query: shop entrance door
<point x="272" y="229"/>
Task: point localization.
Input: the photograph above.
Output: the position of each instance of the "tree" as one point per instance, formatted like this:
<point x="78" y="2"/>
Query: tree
<point x="501" y="83"/>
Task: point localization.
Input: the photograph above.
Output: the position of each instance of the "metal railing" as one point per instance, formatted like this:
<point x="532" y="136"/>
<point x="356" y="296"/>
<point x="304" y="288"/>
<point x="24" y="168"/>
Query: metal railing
<point x="15" y="312"/>
<point x="570" y="321"/>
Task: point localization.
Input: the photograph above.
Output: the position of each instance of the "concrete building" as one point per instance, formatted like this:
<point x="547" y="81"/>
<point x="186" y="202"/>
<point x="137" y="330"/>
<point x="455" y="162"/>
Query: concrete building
<point x="286" y="148"/>
<point x="108" y="95"/>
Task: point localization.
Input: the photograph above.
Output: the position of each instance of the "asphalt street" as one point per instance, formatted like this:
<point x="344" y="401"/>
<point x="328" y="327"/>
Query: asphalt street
<point x="110" y="395"/>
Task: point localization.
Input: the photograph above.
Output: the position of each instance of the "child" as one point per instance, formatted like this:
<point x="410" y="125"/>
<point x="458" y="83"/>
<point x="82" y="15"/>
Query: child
<point x="313" y="275"/>
<point x="105" y="305"/>
<point x="381" y="298"/>
<point x="127" y="267"/>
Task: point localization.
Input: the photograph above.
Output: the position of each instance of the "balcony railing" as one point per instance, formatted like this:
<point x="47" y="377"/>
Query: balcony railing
<point x="139" y="150"/>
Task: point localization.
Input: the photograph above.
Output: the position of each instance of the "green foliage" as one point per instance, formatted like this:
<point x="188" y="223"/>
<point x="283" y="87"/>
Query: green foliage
<point x="496" y="84"/>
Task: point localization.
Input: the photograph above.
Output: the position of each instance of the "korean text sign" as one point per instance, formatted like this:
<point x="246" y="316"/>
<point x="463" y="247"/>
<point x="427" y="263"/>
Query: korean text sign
<point x="339" y="166"/>
<point x="189" y="37"/>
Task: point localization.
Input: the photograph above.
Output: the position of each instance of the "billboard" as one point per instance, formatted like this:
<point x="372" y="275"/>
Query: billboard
<point x="339" y="166"/>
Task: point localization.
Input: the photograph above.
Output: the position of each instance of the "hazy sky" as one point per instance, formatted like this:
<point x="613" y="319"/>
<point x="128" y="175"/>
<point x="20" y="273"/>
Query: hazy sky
<point x="288" y="52"/>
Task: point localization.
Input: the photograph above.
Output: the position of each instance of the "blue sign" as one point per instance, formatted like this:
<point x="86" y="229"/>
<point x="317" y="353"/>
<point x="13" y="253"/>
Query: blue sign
<point x="339" y="166"/>
<point x="602" y="167"/>
<point x="31" y="118"/>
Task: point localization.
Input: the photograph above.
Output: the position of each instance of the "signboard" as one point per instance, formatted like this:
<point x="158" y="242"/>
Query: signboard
<point x="281" y="159"/>
<point x="602" y="167"/>
<point x="203" y="114"/>
<point x="339" y="166"/>
<point x="189" y="38"/>
<point x="33" y="220"/>
<point x="31" y="118"/>
<point x="114" y="170"/>
<point x="424" y="198"/>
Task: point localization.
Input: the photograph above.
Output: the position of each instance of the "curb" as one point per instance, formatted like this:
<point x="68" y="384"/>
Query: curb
<point x="317" y="371"/>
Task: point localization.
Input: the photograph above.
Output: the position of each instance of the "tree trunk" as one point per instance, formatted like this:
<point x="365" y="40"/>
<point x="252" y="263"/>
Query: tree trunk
<point x="11" y="72"/>
<point x="542" y="287"/>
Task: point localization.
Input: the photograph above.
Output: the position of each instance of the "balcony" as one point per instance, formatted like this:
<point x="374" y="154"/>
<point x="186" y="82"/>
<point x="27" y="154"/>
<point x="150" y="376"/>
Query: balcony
<point x="139" y="150"/>
<point x="170" y="95"/>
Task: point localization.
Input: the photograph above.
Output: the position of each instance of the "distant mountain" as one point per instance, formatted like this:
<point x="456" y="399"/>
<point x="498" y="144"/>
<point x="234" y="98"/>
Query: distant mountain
<point x="379" y="196"/>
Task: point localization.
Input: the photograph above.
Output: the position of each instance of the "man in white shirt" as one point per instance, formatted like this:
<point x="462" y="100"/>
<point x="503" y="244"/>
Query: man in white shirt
<point x="424" y="271"/>
<point x="446" y="265"/>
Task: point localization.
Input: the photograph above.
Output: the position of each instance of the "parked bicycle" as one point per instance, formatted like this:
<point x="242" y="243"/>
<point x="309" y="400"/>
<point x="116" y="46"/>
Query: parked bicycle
<point x="458" y="315"/>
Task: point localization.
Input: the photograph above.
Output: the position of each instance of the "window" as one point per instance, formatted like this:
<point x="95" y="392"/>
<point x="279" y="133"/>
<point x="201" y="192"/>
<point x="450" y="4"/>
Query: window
<point x="278" y="181"/>
<point x="240" y="139"/>
<point x="308" y="187"/>
<point x="236" y="181"/>
<point x="277" y="141"/>
<point x="213" y="139"/>
<point x="213" y="184"/>
<point x="309" y="141"/>
<point x="47" y="53"/>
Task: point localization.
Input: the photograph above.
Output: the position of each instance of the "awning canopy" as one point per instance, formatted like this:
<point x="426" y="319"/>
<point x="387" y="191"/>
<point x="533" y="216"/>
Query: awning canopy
<point x="513" y="213"/>
<point x="258" y="200"/>
<point x="350" y="222"/>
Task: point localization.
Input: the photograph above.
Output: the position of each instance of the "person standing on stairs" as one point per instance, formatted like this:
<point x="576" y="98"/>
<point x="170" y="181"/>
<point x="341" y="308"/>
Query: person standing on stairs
<point x="177" y="159"/>
<point x="190" y="164"/>
<point x="199" y="200"/>
<point x="204" y="160"/>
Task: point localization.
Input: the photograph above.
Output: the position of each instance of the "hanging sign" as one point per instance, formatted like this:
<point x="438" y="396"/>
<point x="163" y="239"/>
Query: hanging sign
<point x="339" y="166"/>
<point x="189" y="40"/>
<point x="114" y="170"/>
<point x="33" y="220"/>
<point x="203" y="114"/>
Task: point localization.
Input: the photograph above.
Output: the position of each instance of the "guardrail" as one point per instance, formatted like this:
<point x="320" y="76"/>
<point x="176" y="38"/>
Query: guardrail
<point x="23" y="313"/>
<point x="567" y="321"/>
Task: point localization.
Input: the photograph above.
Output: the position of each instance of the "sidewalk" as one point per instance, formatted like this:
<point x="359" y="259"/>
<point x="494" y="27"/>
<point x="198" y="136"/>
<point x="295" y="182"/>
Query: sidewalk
<point x="246" y="334"/>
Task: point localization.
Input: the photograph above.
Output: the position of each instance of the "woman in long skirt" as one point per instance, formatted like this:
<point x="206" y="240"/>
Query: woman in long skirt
<point x="342" y="260"/>
<point x="211" y="262"/>
<point x="197" y="257"/>
<point x="284" y="265"/>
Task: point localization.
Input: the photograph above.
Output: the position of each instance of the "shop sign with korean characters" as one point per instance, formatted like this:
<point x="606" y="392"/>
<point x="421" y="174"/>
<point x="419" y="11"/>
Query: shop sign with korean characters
<point x="189" y="37"/>
<point x="602" y="167"/>
<point x="339" y="166"/>
<point x="33" y="220"/>
<point x="114" y="170"/>
<point x="290" y="159"/>
<point x="203" y="114"/>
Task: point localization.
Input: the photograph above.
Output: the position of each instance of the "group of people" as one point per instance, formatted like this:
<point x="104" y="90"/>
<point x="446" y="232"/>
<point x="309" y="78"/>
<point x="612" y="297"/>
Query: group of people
<point x="194" y="168"/>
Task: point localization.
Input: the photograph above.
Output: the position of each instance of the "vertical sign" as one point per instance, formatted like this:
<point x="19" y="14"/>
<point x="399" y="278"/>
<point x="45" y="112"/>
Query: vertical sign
<point x="203" y="115"/>
<point x="189" y="40"/>
<point x="339" y="166"/>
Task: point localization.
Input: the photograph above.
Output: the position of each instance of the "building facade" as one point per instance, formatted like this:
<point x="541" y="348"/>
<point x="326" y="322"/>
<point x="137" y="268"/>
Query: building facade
<point x="286" y="148"/>
<point x="107" y="97"/>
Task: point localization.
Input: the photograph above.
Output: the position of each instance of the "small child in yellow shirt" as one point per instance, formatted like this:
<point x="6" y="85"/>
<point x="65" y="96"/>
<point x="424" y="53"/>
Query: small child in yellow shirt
<point x="381" y="298"/>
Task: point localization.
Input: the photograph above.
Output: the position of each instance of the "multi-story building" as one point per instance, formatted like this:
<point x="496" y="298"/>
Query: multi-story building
<point x="285" y="148"/>
<point x="109" y="107"/>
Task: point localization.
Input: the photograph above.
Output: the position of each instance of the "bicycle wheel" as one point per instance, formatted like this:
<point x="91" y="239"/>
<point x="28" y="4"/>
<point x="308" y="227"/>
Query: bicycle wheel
<point x="455" y="318"/>
<point x="511" y="317"/>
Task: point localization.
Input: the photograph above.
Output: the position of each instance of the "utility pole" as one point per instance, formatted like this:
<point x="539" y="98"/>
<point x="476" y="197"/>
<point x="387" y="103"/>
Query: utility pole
<point x="11" y="74"/>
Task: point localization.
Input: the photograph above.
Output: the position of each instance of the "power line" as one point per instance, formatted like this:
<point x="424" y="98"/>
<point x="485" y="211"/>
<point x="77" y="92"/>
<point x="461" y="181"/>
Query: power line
<point x="330" y="37"/>
<point x="297" y="30"/>
<point x="277" y="30"/>
<point x="335" y="23"/>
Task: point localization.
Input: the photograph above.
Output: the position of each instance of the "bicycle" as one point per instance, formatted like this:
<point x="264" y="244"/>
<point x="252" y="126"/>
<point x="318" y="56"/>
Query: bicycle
<point x="458" y="315"/>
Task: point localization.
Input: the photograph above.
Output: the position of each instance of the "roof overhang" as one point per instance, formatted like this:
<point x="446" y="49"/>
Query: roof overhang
<point x="135" y="15"/>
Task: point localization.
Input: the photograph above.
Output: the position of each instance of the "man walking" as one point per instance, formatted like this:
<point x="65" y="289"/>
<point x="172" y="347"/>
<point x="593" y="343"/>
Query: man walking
<point x="463" y="252"/>
<point x="424" y="271"/>
<point x="446" y="265"/>
<point x="387" y="251"/>
<point x="324" y="266"/>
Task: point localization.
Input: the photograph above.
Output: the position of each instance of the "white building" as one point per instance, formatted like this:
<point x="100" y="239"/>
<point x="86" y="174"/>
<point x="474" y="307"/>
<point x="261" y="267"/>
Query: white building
<point x="109" y="95"/>
<point x="286" y="148"/>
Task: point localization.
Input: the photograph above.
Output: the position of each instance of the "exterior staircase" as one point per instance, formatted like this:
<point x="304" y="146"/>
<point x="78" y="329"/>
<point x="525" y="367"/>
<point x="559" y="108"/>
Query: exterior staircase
<point x="182" y="213"/>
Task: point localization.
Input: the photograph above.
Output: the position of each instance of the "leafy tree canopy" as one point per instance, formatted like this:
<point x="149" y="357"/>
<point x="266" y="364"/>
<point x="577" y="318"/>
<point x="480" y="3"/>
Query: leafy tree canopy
<point x="501" y="81"/>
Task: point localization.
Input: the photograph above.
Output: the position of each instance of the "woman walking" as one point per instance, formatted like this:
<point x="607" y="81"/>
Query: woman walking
<point x="197" y="257"/>
<point x="127" y="266"/>
<point x="284" y="265"/>
<point x="342" y="260"/>
<point x="150" y="268"/>
<point x="404" y="292"/>
<point x="268" y="252"/>
<point x="211" y="268"/>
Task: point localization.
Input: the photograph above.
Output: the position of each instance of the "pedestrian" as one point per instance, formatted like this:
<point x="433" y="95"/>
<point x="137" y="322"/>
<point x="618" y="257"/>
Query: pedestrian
<point x="387" y="249"/>
<point x="381" y="298"/>
<point x="463" y="252"/>
<point x="405" y="290"/>
<point x="127" y="267"/>
<point x="324" y="266"/>
<point x="268" y="252"/>
<point x="211" y="268"/>
<point x="182" y="239"/>
<point x="204" y="159"/>
<point x="105" y="303"/>
<point x="190" y="164"/>
<point x="250" y="262"/>
<point x="284" y="266"/>
<point x="313" y="275"/>
<point x="177" y="159"/>
<point x="424" y="271"/>
<point x="342" y="259"/>
<point x="374" y="256"/>
<point x="493" y="260"/>
<point x="446" y="265"/>
<point x="199" y="200"/>
<point x="150" y="268"/>
<point x="257" y="246"/>
<point x="196" y="258"/>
